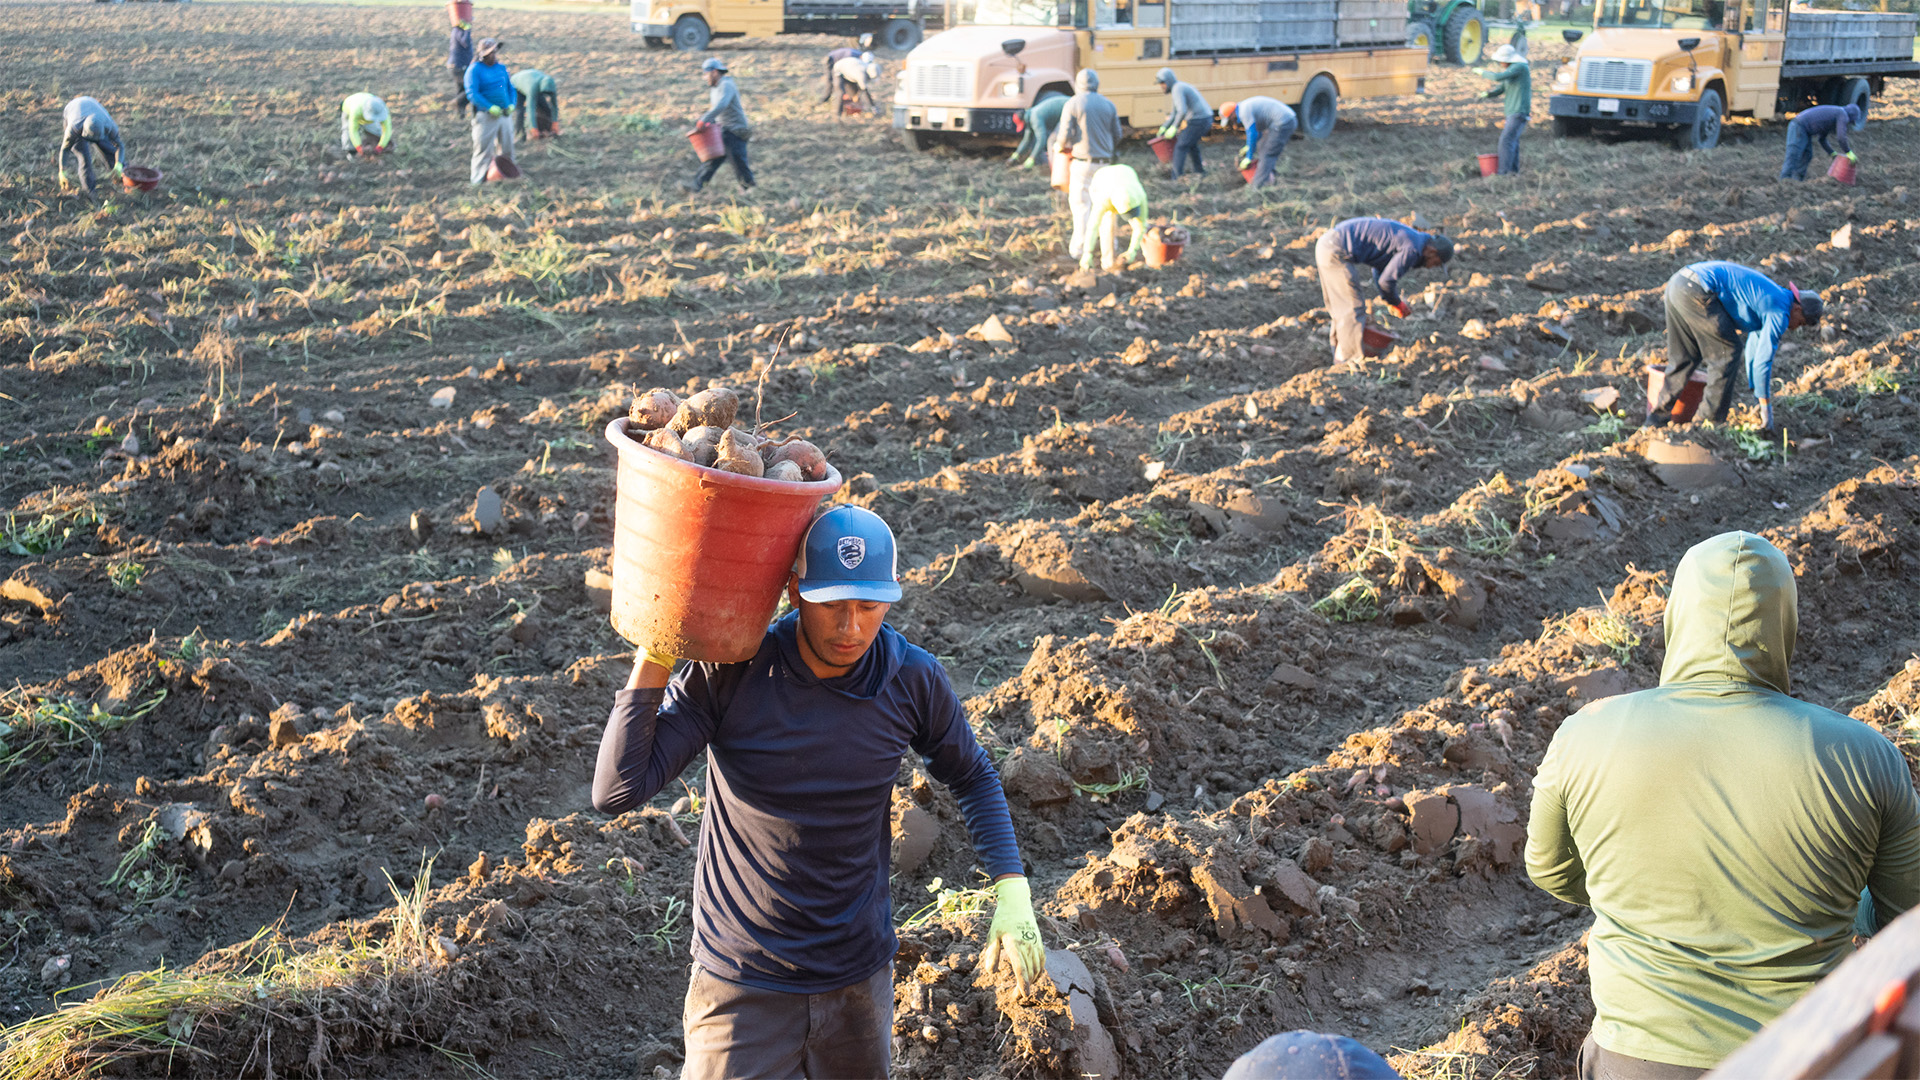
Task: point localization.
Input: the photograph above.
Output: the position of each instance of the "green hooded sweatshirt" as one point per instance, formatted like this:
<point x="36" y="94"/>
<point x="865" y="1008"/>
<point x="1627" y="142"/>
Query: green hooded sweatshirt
<point x="1720" y="830"/>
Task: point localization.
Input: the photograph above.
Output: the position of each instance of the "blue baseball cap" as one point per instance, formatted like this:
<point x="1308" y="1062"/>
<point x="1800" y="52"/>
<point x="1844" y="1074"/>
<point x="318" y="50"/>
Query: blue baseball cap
<point x="849" y="555"/>
<point x="1309" y="1055"/>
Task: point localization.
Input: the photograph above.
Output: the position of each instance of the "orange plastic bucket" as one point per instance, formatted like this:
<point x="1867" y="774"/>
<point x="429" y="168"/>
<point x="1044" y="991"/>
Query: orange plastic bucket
<point x="1162" y="148"/>
<point x="700" y="556"/>
<point x="1250" y="172"/>
<point x="141" y="178"/>
<point x="707" y="142"/>
<point x="1489" y="164"/>
<point x="503" y="168"/>
<point x="1688" y="402"/>
<point x="1843" y="170"/>
<point x="459" y="11"/>
<point x="1376" y="340"/>
<point x="1060" y="163"/>
<point x="1164" y="244"/>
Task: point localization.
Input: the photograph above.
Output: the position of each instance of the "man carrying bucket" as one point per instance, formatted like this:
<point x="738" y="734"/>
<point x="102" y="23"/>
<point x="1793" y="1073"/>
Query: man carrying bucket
<point x="1818" y="123"/>
<point x="1189" y="121"/>
<point x="793" y="938"/>
<point x="1718" y="312"/>
<point x="89" y="127"/>
<point x="1089" y="130"/>
<point x="459" y="58"/>
<point x="363" y="117"/>
<point x="1270" y="126"/>
<point x="1390" y="249"/>
<point x="723" y="108"/>
<point x="1516" y="90"/>
<point x="1042" y="117"/>
<point x="1115" y="194"/>
<point x="491" y="91"/>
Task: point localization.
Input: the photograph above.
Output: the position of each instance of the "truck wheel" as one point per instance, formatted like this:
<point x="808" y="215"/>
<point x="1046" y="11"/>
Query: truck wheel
<point x="1855" y="91"/>
<point x="1569" y="127"/>
<point x="1319" y="108"/>
<point x="690" y="33"/>
<point x="1420" y="35"/>
<point x="1466" y="36"/>
<point x="918" y="142"/>
<point x="900" y="35"/>
<point x="1704" y="132"/>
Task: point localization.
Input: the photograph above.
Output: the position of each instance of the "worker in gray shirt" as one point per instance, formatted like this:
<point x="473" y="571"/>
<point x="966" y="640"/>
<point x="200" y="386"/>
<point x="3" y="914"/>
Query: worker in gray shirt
<point x="86" y="121"/>
<point x="724" y="109"/>
<point x="1270" y="125"/>
<point x="1189" y="120"/>
<point x="1090" y="131"/>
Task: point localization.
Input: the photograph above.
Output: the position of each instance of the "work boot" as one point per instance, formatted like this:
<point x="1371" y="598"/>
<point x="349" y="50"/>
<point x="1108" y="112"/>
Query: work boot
<point x="690" y="185"/>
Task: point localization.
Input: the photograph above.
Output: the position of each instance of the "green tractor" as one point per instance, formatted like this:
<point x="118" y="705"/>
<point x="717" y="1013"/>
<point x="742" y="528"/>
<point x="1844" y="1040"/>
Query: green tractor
<point x="1451" y="30"/>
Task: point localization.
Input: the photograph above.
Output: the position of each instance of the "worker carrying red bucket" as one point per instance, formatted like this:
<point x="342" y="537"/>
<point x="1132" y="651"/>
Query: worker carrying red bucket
<point x="1516" y="93"/>
<point x="1390" y="250"/>
<point x="1188" y="121"/>
<point x="1717" y="314"/>
<point x="793" y="938"/>
<point x="1819" y="124"/>
<point x="724" y="112"/>
<point x="854" y="76"/>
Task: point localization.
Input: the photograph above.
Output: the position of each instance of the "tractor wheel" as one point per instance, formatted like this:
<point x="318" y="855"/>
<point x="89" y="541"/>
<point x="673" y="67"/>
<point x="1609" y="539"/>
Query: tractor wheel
<point x="1466" y="36"/>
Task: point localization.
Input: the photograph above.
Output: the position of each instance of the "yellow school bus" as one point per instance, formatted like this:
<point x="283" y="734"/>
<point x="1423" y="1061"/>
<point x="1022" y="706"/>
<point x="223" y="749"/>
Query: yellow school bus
<point x="688" y="25"/>
<point x="969" y="82"/>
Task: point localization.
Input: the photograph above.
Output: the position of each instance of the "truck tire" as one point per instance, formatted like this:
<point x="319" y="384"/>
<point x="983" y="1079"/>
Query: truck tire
<point x="918" y="142"/>
<point x="1570" y="127"/>
<point x="1856" y="91"/>
<point x="1319" y="108"/>
<point x="690" y="33"/>
<point x="1704" y="132"/>
<point x="1420" y="35"/>
<point x="1466" y="35"/>
<point x="900" y="35"/>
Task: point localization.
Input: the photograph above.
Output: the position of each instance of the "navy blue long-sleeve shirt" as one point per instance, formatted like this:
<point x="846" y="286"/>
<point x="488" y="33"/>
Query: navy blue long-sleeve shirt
<point x="1389" y="247"/>
<point x="790" y="884"/>
<point x="459" y="48"/>
<point x="1822" y="121"/>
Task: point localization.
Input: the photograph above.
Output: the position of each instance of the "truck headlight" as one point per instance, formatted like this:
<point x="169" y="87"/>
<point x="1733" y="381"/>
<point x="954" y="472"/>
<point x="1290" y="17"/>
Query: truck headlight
<point x="1010" y="88"/>
<point x="1682" y="83"/>
<point x="1563" y="77"/>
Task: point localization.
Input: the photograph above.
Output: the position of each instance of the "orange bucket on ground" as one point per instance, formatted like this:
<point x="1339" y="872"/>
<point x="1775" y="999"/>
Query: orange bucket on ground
<point x="707" y="142"/>
<point x="1164" y="244"/>
<point x="700" y="556"/>
<point x="1060" y="163"/>
<point x="1376" y="341"/>
<point x="1162" y="148"/>
<point x="141" y="178"/>
<point x="503" y="168"/>
<point x="459" y="11"/>
<point x="1250" y="172"/>
<point x="1687" y="403"/>
<point x="1489" y="164"/>
<point x="1844" y="170"/>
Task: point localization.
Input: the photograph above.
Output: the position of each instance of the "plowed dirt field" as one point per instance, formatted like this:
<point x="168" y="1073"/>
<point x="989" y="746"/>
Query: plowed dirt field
<point x="295" y="747"/>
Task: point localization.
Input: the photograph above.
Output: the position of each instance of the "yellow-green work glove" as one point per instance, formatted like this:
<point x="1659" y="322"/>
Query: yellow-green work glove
<point x="1015" y="933"/>
<point x="496" y="110"/>
<point x="1851" y="158"/>
<point x="646" y="655"/>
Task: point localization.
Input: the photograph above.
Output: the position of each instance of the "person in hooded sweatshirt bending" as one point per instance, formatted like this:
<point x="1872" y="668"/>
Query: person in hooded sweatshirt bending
<point x="793" y="936"/>
<point x="1721" y="831"/>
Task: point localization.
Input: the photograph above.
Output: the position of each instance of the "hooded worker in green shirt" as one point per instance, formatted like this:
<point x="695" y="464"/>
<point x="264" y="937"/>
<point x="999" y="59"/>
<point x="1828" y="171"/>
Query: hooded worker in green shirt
<point x="1721" y="831"/>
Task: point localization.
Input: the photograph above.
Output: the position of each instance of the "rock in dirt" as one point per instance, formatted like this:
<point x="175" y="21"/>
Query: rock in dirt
<point x="1293" y="886"/>
<point x="1094" y="1054"/>
<point x="600" y="590"/>
<point x="283" y="732"/>
<point x="1047" y="564"/>
<point x="1316" y="854"/>
<point x="1293" y="676"/>
<point x="1235" y="905"/>
<point x="1685" y="465"/>
<point x="55" y="971"/>
<point x="1434" y="819"/>
<point x="35" y="584"/>
<point x="488" y="511"/>
<point x="441" y="399"/>
<point x="1488" y="819"/>
<point x="1035" y="778"/>
<point x="915" y="831"/>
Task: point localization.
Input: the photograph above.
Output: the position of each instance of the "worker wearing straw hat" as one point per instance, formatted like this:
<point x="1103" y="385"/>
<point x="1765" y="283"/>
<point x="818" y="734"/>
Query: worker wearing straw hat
<point x="1516" y="91"/>
<point x="793" y="936"/>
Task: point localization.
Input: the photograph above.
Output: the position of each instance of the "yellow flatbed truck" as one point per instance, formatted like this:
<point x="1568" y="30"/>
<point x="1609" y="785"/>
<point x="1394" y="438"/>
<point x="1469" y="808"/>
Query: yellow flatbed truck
<point x="968" y="83"/>
<point x="688" y="25"/>
<point x="1685" y="65"/>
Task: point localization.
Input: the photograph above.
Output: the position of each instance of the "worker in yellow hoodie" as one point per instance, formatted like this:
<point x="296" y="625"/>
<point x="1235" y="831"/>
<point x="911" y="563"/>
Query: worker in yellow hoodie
<point x="1116" y="195"/>
<point x="363" y="117"/>
<point x="1727" y="836"/>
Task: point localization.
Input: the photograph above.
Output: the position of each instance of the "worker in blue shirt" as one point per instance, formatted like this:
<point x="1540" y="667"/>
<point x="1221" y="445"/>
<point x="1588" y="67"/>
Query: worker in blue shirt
<point x="490" y="89"/>
<point x="1718" y="313"/>
<point x="1389" y="249"/>
<point x="793" y="937"/>
<point x="1819" y="122"/>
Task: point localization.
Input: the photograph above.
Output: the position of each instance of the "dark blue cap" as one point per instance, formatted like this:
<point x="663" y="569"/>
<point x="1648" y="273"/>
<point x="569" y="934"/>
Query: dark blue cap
<point x="848" y="555"/>
<point x="1309" y="1055"/>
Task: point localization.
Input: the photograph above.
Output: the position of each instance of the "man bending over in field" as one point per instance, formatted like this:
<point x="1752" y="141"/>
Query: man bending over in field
<point x="793" y="937"/>
<point x="88" y="125"/>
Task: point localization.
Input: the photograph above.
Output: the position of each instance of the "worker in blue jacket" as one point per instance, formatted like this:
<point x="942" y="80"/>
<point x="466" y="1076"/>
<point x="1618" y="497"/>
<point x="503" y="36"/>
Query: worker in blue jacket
<point x="1717" y="314"/>
<point x="1389" y="249"/>
<point x="1819" y="122"/>
<point x="490" y="89"/>
<point x="793" y="938"/>
<point x="1270" y="125"/>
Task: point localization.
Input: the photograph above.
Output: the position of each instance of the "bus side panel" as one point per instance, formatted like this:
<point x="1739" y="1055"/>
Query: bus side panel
<point x="753" y="18"/>
<point x="1755" y="74"/>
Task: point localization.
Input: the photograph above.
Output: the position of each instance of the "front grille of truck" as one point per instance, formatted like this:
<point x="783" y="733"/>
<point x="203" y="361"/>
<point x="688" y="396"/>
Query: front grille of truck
<point x="1599" y="76"/>
<point x="942" y="82"/>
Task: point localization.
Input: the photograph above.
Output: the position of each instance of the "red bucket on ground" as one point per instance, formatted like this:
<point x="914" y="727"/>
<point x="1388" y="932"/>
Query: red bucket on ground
<point x="1489" y="164"/>
<point x="1059" y="163"/>
<point x="1250" y="172"/>
<point x="503" y="168"/>
<point x="1376" y="341"/>
<point x="1683" y="406"/>
<point x="707" y="142"/>
<point x="1162" y="148"/>
<point x="1844" y="170"/>
<point x="1164" y="244"/>
<point x="700" y="556"/>
<point x="141" y="178"/>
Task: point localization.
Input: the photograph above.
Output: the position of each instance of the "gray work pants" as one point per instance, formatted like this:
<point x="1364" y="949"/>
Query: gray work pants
<point x="738" y="1032"/>
<point x="1341" y="282"/>
<point x="1700" y="336"/>
<point x="1599" y="1063"/>
<point x="492" y="137"/>
<point x="1266" y="152"/>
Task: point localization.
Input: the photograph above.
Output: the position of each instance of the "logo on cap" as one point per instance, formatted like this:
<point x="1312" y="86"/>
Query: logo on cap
<point x="852" y="550"/>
